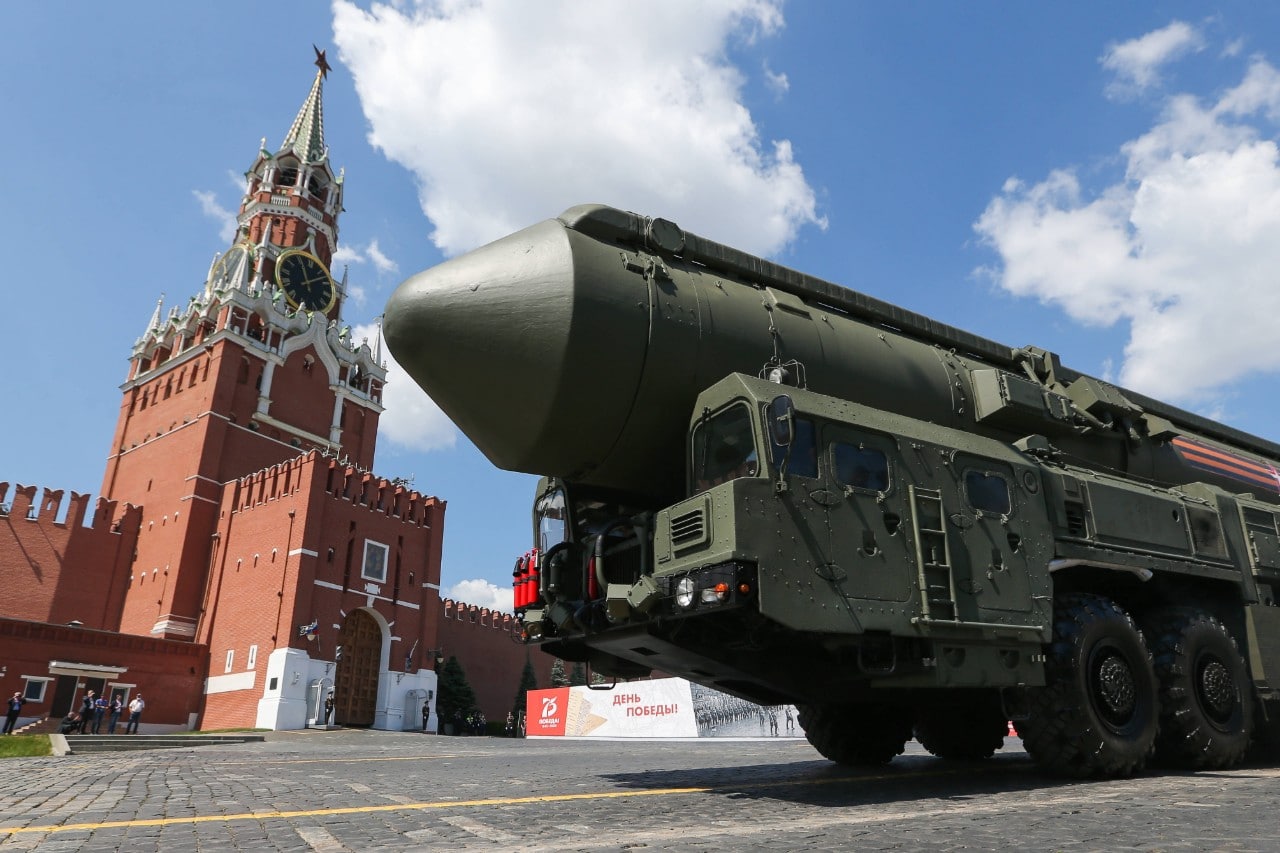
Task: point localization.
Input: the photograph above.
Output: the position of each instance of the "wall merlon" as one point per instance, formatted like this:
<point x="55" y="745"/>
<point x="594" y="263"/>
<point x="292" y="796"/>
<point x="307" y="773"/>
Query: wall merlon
<point x="24" y="498"/>
<point x="105" y="512"/>
<point x="76" y="510"/>
<point x="50" y="503"/>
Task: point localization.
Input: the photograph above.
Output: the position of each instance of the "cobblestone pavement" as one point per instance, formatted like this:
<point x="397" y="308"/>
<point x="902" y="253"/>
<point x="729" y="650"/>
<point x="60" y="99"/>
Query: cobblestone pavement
<point x="376" y="791"/>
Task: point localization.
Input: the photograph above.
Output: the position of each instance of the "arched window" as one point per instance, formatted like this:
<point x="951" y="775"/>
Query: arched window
<point x="316" y="186"/>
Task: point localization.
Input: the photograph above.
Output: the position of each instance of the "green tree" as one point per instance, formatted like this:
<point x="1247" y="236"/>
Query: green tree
<point x="454" y="692"/>
<point x="528" y="681"/>
<point x="558" y="678"/>
<point x="578" y="675"/>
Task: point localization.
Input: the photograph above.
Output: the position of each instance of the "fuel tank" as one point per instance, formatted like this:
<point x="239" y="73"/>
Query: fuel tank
<point x="576" y="348"/>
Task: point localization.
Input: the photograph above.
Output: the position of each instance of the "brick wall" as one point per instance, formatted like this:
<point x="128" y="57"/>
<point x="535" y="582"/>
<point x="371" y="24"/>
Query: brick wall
<point x="484" y="642"/>
<point x="168" y="673"/>
<point x="54" y="566"/>
<point x="290" y="549"/>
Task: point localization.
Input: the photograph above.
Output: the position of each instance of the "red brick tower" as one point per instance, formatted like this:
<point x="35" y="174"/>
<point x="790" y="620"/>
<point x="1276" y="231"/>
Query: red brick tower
<point x="247" y="433"/>
<point x="252" y="371"/>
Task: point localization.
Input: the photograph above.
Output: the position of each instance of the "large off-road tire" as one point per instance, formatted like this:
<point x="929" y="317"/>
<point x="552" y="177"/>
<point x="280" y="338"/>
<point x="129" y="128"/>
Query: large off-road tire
<point x="964" y="730"/>
<point x="1206" y="698"/>
<point x="856" y="735"/>
<point x="1097" y="714"/>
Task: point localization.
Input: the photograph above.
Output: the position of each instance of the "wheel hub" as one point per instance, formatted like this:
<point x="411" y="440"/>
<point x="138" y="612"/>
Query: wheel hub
<point x="1116" y="689"/>
<point x="1217" y="691"/>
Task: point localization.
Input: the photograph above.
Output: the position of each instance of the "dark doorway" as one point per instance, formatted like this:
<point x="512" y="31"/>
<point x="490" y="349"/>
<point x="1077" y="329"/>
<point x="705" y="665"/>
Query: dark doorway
<point x="355" y="685"/>
<point x="64" y="693"/>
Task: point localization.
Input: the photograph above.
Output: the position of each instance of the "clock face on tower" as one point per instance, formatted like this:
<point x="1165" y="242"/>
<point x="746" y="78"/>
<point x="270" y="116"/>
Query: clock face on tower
<point x="228" y="263"/>
<point x="305" y="281"/>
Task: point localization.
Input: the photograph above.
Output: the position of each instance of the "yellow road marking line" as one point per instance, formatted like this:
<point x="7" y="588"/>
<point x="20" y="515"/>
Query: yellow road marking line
<point x="447" y="804"/>
<point x="268" y="815"/>
<point x="346" y="760"/>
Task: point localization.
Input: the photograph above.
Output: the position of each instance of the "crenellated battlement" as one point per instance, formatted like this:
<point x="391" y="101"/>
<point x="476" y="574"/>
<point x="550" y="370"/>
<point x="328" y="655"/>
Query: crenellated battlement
<point x="481" y="617"/>
<point x="55" y="508"/>
<point x="342" y="482"/>
<point x="272" y="483"/>
<point x="61" y="564"/>
<point x="392" y="497"/>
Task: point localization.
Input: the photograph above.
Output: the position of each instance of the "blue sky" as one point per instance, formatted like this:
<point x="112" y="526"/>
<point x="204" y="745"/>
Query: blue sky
<point x="1098" y="179"/>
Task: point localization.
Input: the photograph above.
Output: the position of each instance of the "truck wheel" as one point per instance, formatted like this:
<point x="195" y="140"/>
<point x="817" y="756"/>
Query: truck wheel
<point x="856" y="735"/>
<point x="1097" y="713"/>
<point x="1206" y="700"/>
<point x="963" y="731"/>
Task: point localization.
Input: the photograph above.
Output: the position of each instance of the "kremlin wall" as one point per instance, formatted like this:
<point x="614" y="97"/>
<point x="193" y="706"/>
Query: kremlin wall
<point x="66" y="566"/>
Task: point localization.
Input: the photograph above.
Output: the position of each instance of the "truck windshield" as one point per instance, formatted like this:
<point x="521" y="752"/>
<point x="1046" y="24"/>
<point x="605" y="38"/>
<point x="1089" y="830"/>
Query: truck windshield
<point x="724" y="448"/>
<point x="551" y="519"/>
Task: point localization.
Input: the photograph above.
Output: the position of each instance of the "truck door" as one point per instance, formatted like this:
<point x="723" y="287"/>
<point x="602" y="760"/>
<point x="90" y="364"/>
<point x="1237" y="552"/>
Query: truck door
<point x="990" y="518"/>
<point x="804" y="511"/>
<point x="866" y="513"/>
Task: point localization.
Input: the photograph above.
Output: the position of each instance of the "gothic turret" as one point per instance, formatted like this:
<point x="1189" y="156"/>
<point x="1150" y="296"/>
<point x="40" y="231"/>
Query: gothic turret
<point x="287" y="225"/>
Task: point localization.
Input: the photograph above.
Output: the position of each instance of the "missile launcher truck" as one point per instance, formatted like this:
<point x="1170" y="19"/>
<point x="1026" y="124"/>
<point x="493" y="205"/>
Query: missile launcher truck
<point x="797" y="493"/>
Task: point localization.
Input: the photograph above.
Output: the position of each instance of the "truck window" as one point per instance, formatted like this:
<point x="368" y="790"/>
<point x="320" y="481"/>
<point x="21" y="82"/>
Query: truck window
<point x="987" y="492"/>
<point x="551" y="519"/>
<point x="861" y="467"/>
<point x="804" y="450"/>
<point x="724" y="448"/>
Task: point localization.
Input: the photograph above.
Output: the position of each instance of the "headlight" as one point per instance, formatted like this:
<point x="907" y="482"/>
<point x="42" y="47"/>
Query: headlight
<point x="685" y="588"/>
<point x="717" y="594"/>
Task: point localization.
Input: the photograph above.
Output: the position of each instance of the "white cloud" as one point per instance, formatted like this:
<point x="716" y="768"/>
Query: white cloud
<point x="1183" y="250"/>
<point x="777" y="83"/>
<point x="226" y="219"/>
<point x="346" y="253"/>
<point x="1137" y="62"/>
<point x="356" y="295"/>
<point x="351" y="253"/>
<point x="411" y="420"/>
<point x="482" y="593"/>
<point x="380" y="261"/>
<point x="508" y="112"/>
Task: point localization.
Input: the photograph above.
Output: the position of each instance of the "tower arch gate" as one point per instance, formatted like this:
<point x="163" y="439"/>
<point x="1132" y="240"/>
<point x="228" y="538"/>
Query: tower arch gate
<point x="355" y="683"/>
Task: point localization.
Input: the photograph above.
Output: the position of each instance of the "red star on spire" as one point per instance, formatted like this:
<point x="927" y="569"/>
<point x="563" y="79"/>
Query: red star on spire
<point x="321" y="62"/>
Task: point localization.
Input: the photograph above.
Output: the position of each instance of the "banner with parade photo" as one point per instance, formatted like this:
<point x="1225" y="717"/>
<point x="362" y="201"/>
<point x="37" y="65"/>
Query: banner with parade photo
<point x="661" y="708"/>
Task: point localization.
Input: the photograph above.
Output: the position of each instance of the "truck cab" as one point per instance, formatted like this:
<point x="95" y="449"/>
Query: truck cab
<point x="890" y="550"/>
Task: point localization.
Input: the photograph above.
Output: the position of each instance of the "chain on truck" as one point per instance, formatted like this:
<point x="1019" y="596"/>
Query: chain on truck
<point x="800" y="494"/>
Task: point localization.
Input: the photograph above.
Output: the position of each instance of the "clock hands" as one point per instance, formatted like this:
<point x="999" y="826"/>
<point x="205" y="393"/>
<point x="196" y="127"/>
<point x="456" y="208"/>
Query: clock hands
<point x="306" y="280"/>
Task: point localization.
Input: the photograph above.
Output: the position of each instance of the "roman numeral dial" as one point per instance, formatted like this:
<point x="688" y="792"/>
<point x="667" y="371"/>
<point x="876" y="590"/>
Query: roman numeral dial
<point x="305" y="281"/>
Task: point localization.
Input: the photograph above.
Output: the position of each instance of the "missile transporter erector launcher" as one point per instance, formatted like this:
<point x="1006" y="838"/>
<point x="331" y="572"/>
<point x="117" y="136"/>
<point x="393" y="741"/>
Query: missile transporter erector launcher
<point x="796" y="493"/>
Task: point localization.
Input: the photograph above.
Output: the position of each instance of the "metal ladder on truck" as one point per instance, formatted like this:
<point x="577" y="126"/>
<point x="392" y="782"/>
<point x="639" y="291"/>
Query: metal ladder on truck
<point x="933" y="556"/>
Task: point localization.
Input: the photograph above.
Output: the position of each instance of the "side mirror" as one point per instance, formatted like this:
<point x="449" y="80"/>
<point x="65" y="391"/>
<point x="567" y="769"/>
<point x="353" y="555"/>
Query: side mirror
<point x="781" y="418"/>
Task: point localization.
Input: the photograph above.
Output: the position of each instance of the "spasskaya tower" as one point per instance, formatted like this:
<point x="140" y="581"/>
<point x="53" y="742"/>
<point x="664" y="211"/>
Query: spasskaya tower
<point x="254" y="369"/>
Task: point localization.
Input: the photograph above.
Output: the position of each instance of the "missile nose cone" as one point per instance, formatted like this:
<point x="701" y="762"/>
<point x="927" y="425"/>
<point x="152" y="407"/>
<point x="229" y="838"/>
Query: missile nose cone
<point x="514" y="346"/>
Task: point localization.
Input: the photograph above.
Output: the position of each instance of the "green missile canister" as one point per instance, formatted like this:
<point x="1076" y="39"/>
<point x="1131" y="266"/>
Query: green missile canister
<point x="577" y="347"/>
